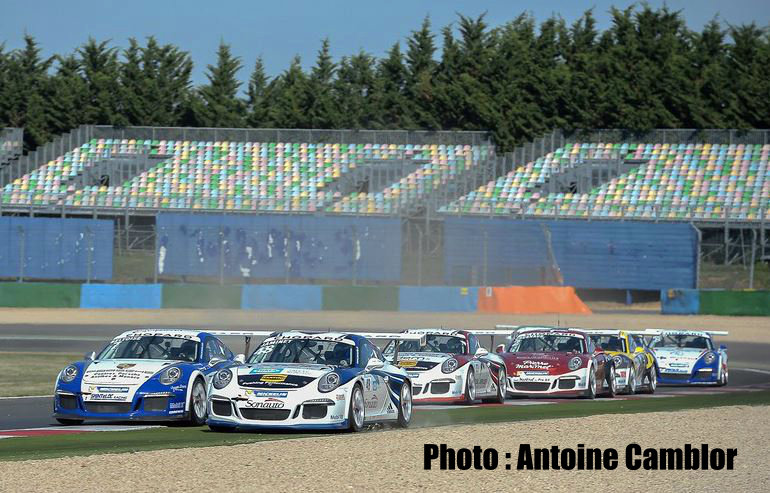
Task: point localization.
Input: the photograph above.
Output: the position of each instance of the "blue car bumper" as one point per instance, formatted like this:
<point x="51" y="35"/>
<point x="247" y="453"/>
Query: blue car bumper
<point x="149" y="407"/>
<point x="702" y="376"/>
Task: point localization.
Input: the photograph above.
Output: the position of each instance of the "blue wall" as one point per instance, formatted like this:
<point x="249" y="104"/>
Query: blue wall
<point x="612" y="254"/>
<point x="281" y="297"/>
<point x="121" y="296"/>
<point x="270" y="246"/>
<point x="437" y="299"/>
<point x="56" y="248"/>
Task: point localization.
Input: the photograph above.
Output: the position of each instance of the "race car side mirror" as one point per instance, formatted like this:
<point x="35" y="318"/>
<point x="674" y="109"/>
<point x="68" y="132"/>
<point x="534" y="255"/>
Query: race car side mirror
<point x="90" y="356"/>
<point x="481" y="352"/>
<point x="241" y="358"/>
<point x="639" y="349"/>
<point x="500" y="348"/>
<point x="375" y="364"/>
<point x="215" y="361"/>
<point x="722" y="347"/>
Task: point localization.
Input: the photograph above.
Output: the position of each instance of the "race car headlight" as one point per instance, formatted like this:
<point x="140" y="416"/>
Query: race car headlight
<point x="449" y="365"/>
<point x="69" y="374"/>
<point x="169" y="376"/>
<point x="575" y="363"/>
<point x="222" y="379"/>
<point x="328" y="382"/>
<point x="709" y="358"/>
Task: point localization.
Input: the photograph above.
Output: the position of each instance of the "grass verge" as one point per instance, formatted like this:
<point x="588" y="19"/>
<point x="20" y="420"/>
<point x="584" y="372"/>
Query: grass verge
<point x="31" y="373"/>
<point x="170" y="438"/>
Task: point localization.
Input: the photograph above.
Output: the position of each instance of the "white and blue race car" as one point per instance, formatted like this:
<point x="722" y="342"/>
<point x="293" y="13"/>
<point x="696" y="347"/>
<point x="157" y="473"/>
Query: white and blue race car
<point x="307" y="380"/>
<point x="688" y="357"/>
<point x="144" y="374"/>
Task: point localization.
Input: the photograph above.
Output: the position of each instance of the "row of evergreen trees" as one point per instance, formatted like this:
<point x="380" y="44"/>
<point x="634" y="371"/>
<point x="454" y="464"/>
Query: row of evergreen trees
<point x="647" y="70"/>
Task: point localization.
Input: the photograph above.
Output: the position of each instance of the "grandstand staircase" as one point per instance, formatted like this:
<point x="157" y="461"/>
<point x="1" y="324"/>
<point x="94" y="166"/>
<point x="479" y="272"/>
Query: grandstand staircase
<point x="373" y="176"/>
<point x="117" y="169"/>
<point x="584" y="175"/>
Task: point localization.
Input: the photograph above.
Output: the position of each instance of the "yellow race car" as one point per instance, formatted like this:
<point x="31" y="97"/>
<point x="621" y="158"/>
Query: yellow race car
<point x="634" y="363"/>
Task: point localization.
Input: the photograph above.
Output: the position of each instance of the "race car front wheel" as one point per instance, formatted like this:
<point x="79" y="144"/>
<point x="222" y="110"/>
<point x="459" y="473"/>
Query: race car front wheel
<point x="198" y="403"/>
<point x="612" y="382"/>
<point x="652" y="381"/>
<point x="405" y="405"/>
<point x="69" y="422"/>
<point x="356" y="412"/>
<point x="591" y="390"/>
<point x="470" y="387"/>
<point x="502" y="388"/>
<point x="631" y="383"/>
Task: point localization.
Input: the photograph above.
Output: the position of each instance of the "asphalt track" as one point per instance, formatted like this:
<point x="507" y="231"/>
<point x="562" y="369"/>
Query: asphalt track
<point x="748" y="365"/>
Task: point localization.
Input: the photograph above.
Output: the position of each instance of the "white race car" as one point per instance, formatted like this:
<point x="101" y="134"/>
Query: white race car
<point x="688" y="357"/>
<point x="450" y="366"/>
<point x="306" y="380"/>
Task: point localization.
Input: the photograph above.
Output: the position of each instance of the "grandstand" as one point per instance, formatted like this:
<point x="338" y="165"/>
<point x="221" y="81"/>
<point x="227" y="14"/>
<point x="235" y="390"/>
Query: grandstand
<point x="694" y="181"/>
<point x="719" y="181"/>
<point x="287" y="174"/>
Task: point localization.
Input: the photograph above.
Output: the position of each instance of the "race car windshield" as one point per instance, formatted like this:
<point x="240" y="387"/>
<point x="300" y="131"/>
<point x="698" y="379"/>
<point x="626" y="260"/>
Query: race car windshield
<point x="435" y="343"/>
<point x="610" y="343"/>
<point x="152" y="347"/>
<point x="308" y="351"/>
<point x="681" y="341"/>
<point x="546" y="343"/>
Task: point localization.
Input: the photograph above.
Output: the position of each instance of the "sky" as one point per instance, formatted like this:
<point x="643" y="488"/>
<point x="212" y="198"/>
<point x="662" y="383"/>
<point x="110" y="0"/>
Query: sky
<point x="278" y="30"/>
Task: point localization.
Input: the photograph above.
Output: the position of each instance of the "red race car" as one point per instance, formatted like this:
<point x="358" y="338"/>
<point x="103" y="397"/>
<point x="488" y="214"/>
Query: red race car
<point x="558" y="362"/>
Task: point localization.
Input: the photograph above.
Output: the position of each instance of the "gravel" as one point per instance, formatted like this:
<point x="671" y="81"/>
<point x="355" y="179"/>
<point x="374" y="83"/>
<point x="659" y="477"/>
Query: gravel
<point x="394" y="459"/>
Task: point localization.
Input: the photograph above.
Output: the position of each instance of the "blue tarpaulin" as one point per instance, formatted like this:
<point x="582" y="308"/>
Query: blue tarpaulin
<point x="279" y="246"/>
<point x="55" y="248"/>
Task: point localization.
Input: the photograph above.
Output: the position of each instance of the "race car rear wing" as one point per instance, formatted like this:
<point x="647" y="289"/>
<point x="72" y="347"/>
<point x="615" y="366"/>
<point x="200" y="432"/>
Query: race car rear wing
<point x="246" y="334"/>
<point x="395" y="337"/>
<point x="657" y="332"/>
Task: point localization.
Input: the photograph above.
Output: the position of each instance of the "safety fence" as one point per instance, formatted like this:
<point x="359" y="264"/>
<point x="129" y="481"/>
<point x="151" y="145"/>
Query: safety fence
<point x="515" y="300"/>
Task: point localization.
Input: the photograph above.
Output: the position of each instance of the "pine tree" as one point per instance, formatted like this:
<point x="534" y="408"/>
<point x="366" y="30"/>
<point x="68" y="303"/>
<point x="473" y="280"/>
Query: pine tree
<point x="419" y="80"/>
<point x="258" y="101"/>
<point x="101" y="71"/>
<point x="290" y="91"/>
<point x="322" y="112"/>
<point x="391" y="76"/>
<point x="358" y="96"/>
<point x="219" y="105"/>
<point x="68" y="96"/>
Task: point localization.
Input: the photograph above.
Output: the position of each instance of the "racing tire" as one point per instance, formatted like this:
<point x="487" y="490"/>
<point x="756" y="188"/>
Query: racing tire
<point x="69" y="422"/>
<point x="502" y="388"/>
<point x="723" y="379"/>
<point x="356" y="410"/>
<point x="405" y="405"/>
<point x="198" y="404"/>
<point x="590" y="392"/>
<point x="652" y="381"/>
<point x="612" y="383"/>
<point x="470" y="387"/>
<point x="631" y="383"/>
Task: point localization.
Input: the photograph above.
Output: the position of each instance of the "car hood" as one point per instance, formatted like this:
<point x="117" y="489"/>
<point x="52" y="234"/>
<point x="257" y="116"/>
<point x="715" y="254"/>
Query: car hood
<point x="280" y="375"/>
<point x="552" y="363"/>
<point x="123" y="372"/>
<point x="678" y="359"/>
<point x="418" y="361"/>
